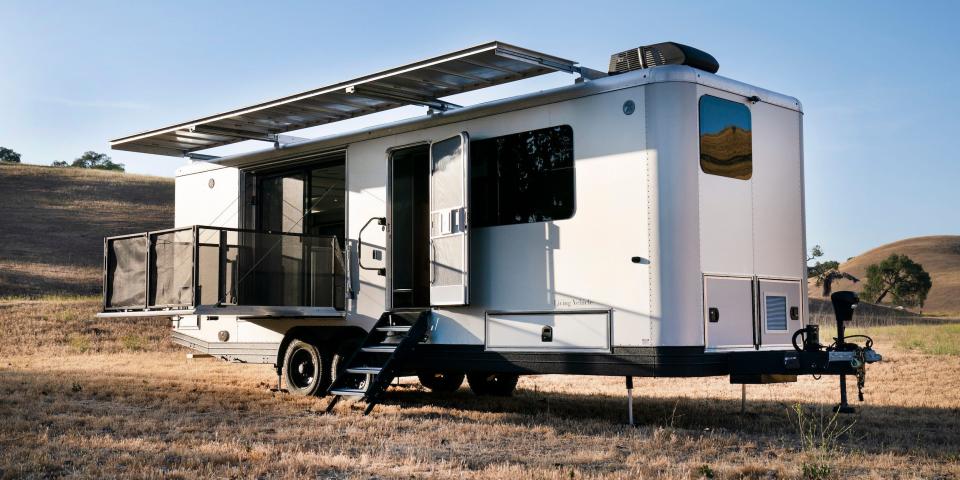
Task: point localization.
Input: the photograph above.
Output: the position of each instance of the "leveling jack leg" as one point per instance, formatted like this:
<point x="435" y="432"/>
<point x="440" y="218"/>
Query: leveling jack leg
<point x="844" y="407"/>
<point x="630" y="401"/>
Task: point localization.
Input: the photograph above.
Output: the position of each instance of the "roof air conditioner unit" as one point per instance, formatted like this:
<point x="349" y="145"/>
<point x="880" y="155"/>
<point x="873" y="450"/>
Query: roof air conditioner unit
<point x="667" y="53"/>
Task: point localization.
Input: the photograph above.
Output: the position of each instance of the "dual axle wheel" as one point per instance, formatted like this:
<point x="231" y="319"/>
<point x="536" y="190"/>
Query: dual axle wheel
<point x="493" y="384"/>
<point x="309" y="370"/>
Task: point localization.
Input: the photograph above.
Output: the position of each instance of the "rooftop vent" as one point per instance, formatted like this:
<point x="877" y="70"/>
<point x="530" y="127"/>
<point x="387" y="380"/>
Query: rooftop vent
<point x="667" y="53"/>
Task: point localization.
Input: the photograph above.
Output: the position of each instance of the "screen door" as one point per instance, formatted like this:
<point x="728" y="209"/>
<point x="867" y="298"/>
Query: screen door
<point x="448" y="221"/>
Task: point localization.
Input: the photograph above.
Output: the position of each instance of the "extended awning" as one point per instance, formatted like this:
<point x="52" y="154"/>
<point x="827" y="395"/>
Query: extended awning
<point x="422" y="83"/>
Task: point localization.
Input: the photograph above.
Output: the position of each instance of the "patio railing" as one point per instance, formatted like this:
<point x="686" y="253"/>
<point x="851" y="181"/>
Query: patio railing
<point x="187" y="267"/>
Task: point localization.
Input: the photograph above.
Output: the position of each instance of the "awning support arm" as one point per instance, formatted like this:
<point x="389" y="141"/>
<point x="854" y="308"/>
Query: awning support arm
<point x="370" y="92"/>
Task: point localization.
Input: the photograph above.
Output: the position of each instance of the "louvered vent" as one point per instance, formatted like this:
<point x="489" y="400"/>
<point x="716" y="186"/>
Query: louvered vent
<point x="776" y="313"/>
<point x="667" y="53"/>
<point x="653" y="56"/>
<point x="625" y="61"/>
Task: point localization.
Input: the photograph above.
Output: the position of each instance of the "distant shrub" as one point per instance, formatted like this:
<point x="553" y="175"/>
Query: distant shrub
<point x="7" y="155"/>
<point x="97" y="161"/>
<point x="59" y="163"/>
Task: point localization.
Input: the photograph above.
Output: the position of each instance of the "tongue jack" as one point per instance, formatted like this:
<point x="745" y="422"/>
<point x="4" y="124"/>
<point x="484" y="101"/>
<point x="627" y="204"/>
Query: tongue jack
<point x="844" y="303"/>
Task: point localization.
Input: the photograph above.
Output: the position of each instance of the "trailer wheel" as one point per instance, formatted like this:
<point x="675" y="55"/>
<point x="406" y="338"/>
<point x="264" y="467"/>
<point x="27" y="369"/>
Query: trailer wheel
<point x="495" y="384"/>
<point x="441" y="382"/>
<point x="306" y="370"/>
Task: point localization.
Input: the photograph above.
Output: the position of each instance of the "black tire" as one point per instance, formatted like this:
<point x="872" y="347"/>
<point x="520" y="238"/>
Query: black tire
<point x="441" y="382"/>
<point x="494" y="384"/>
<point x="306" y="369"/>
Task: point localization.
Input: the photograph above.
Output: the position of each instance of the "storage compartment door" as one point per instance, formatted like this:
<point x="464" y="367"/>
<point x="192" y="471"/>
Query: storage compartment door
<point x="448" y="221"/>
<point x="552" y="331"/>
<point x="781" y="311"/>
<point x="728" y="312"/>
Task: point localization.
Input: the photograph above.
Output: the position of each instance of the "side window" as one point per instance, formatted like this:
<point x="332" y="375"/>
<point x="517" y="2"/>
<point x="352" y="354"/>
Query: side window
<point x="525" y="177"/>
<point x="726" y="144"/>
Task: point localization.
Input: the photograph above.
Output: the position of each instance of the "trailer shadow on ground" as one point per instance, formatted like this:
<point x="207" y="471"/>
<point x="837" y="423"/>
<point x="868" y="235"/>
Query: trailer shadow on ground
<point x="877" y="428"/>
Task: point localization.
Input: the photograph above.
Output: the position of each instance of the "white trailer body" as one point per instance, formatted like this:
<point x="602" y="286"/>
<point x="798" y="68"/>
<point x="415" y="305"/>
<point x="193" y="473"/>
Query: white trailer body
<point x="649" y="222"/>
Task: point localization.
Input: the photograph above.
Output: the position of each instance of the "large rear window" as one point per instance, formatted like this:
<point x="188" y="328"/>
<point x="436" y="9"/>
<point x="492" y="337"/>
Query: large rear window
<point x="726" y="143"/>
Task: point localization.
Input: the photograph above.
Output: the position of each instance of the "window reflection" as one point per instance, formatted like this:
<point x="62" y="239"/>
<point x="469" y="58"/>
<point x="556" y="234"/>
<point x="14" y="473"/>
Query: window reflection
<point x="525" y="177"/>
<point x="726" y="144"/>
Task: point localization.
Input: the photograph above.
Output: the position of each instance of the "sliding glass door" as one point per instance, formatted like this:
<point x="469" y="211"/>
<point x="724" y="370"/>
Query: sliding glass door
<point x="308" y="200"/>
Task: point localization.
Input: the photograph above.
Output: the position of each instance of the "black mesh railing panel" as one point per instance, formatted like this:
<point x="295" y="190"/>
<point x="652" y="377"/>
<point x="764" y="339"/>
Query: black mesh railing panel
<point x="171" y="268"/>
<point x="126" y="270"/>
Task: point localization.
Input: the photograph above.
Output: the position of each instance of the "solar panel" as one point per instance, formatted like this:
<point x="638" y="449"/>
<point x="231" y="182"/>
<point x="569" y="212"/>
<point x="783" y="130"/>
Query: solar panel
<point x="421" y="83"/>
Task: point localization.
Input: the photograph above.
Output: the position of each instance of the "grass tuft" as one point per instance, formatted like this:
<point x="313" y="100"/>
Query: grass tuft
<point x="133" y="342"/>
<point x="78" y="343"/>
<point x="704" y="471"/>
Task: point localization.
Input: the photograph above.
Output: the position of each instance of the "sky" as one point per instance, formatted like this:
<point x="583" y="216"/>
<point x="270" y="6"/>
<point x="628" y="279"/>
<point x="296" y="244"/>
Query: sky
<point x="875" y="79"/>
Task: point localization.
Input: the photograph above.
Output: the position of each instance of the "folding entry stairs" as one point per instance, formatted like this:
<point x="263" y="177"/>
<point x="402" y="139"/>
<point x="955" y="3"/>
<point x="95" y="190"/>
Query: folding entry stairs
<point x="380" y="357"/>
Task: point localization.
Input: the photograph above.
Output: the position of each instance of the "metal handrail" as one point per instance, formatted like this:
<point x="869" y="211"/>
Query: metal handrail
<point x="210" y="227"/>
<point x="382" y="221"/>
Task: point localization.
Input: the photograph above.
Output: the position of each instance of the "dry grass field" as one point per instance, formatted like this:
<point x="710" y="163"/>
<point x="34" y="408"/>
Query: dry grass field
<point x="81" y="397"/>
<point x="54" y="221"/>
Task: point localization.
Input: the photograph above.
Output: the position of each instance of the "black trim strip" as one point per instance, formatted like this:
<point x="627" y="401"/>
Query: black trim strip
<point x="627" y="361"/>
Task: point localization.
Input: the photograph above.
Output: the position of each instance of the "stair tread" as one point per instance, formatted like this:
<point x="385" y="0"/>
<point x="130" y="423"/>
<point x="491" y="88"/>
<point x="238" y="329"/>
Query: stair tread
<point x="364" y="370"/>
<point x="394" y="328"/>
<point x="379" y="348"/>
<point x="348" y="392"/>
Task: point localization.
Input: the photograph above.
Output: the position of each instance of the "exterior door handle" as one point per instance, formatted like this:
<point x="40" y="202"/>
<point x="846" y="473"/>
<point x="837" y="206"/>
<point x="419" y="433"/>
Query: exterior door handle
<point x="382" y="222"/>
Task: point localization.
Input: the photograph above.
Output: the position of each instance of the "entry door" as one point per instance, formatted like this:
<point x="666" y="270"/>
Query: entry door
<point x="449" y="260"/>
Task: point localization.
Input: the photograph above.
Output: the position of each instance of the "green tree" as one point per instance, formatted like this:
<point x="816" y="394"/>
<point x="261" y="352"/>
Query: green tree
<point x="819" y="269"/>
<point x="7" y="155"/>
<point x="826" y="272"/>
<point x="59" y="163"/>
<point x="898" y="276"/>
<point x="98" y="161"/>
<point x="815" y="252"/>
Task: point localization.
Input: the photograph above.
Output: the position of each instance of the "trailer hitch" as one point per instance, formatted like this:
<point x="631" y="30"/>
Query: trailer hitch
<point x="843" y="356"/>
<point x="844" y="305"/>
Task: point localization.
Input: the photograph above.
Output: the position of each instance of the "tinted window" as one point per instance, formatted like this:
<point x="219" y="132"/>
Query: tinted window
<point x="524" y="177"/>
<point x="726" y="145"/>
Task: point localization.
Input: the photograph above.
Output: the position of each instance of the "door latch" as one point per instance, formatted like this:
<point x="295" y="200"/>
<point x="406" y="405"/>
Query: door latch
<point x="713" y="314"/>
<point x="546" y="335"/>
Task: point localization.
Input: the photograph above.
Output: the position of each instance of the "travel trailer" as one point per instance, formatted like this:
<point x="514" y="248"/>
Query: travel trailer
<point x="646" y="221"/>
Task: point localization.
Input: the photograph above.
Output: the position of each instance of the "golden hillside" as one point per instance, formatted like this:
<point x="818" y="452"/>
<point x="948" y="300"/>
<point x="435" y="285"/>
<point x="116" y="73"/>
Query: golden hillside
<point x="727" y="152"/>
<point x="54" y="219"/>
<point x="940" y="257"/>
